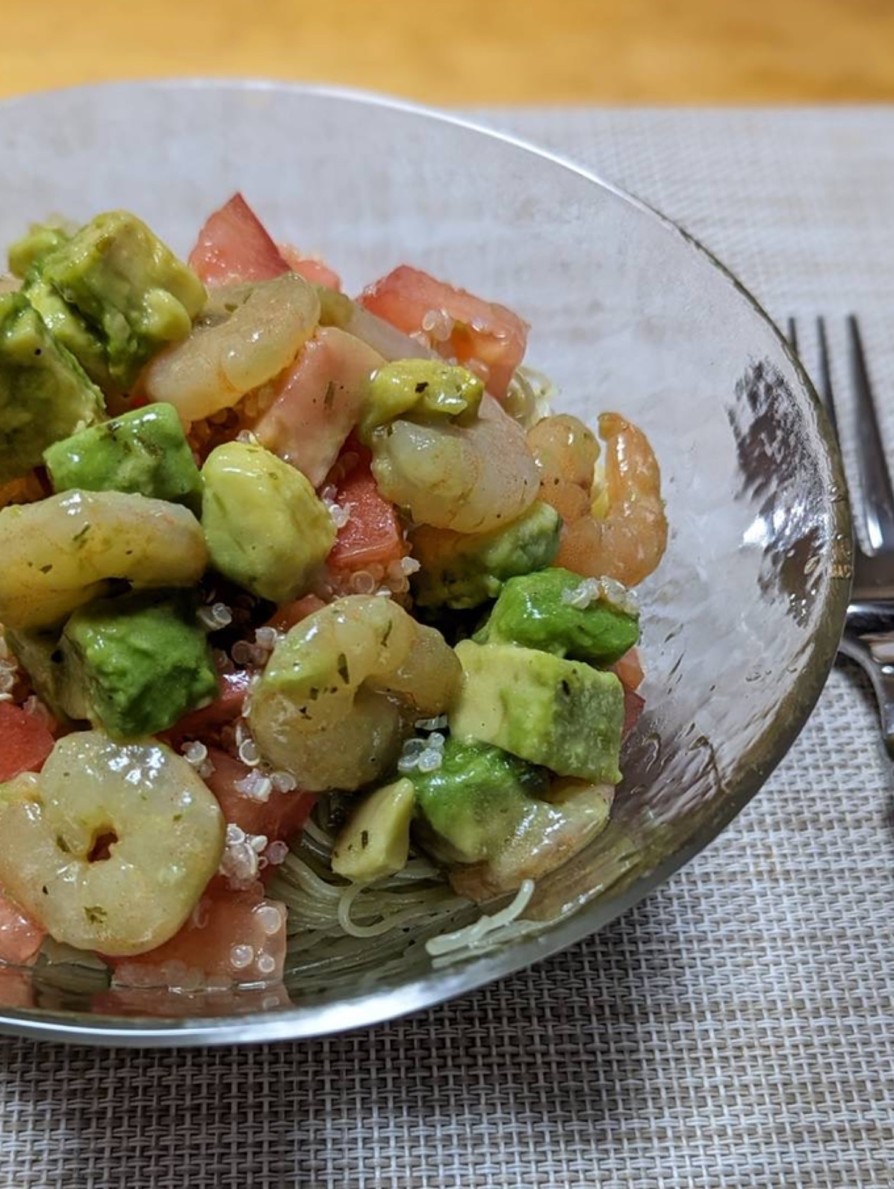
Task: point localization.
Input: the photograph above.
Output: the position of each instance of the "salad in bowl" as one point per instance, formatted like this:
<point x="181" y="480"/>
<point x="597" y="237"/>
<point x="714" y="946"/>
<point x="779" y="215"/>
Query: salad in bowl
<point x="316" y="624"/>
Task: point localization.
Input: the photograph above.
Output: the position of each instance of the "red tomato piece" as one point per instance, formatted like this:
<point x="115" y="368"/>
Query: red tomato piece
<point x="482" y="331"/>
<point x="289" y="614"/>
<point x="311" y="268"/>
<point x="20" y="937"/>
<point x="231" y="937"/>
<point x="25" y="741"/>
<point x="372" y="534"/>
<point x="629" y="669"/>
<point x="226" y="707"/>
<point x="280" y="817"/>
<point x="16" y="988"/>
<point x="234" y="245"/>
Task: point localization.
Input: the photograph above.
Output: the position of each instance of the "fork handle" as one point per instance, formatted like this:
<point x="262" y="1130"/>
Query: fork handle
<point x="874" y="652"/>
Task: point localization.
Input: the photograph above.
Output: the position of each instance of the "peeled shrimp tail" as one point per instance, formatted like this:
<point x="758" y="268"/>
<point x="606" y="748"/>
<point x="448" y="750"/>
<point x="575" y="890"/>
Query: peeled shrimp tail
<point x="626" y="543"/>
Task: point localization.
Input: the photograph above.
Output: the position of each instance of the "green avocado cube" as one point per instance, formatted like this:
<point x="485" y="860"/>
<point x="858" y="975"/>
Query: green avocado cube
<point x="144" y="452"/>
<point x="127" y="285"/>
<point x="476" y="801"/>
<point x="70" y="330"/>
<point x="27" y="253"/>
<point x="560" y="612"/>
<point x="44" y="393"/>
<point x="427" y="389"/>
<point x="462" y="570"/>
<point x="136" y="664"/>
<point x="562" y="714"/>
<point x="265" y="527"/>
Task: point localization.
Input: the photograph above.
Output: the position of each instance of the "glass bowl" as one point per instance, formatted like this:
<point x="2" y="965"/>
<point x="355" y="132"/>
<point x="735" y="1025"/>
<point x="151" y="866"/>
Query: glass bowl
<point x="627" y="312"/>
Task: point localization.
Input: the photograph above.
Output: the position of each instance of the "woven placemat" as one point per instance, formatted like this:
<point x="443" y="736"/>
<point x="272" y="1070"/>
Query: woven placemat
<point x="734" y="1030"/>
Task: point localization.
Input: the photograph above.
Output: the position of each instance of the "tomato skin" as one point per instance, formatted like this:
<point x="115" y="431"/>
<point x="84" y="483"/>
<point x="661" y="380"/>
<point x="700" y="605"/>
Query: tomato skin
<point x="234" y="245"/>
<point x="373" y="533"/>
<point x="20" y="937"/>
<point x="280" y="817"/>
<point x="25" y="741"/>
<point x="483" y="330"/>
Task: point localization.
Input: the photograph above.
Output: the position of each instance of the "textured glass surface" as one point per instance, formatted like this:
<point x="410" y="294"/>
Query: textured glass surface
<point x="741" y="620"/>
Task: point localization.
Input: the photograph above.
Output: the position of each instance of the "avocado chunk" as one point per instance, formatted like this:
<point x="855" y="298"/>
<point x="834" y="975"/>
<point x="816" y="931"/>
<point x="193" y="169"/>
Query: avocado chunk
<point x="144" y="452"/>
<point x="265" y="527"/>
<point x="375" y="843"/>
<point x="495" y="820"/>
<point x="136" y="664"/>
<point x="128" y="286"/>
<point x="27" y="253"/>
<point x="462" y="570"/>
<point x="476" y="801"/>
<point x="40" y="655"/>
<point x="70" y="330"/>
<point x="562" y="714"/>
<point x="44" y="393"/>
<point x="565" y="614"/>
<point x="426" y="389"/>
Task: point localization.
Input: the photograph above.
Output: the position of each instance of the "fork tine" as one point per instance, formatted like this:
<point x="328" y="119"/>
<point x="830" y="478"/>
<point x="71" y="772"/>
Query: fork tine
<point x="825" y="386"/>
<point x="875" y="481"/>
<point x="793" y="335"/>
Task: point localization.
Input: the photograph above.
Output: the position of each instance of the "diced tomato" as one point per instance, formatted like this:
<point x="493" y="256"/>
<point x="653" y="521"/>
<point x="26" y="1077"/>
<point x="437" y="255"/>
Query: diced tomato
<point x="289" y="614"/>
<point x="16" y="988"/>
<point x="25" y="741"/>
<point x="629" y="669"/>
<point x="372" y="534"/>
<point x="231" y="937"/>
<point x="280" y="817"/>
<point x="311" y="268"/>
<point x="233" y="245"/>
<point x="482" y="331"/>
<point x="630" y="672"/>
<point x="20" y="937"/>
<point x="225" y="708"/>
<point x="318" y="401"/>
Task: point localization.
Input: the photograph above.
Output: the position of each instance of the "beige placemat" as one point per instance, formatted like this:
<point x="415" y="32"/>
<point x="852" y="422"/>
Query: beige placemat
<point x="734" y="1030"/>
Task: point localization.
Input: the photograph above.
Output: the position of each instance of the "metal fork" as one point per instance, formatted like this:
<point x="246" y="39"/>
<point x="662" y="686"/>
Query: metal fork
<point x="868" y="636"/>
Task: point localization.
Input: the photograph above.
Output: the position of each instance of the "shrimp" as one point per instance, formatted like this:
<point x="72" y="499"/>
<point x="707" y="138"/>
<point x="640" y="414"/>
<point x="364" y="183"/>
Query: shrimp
<point x="471" y="479"/>
<point x="343" y="689"/>
<point x="246" y="336"/>
<point x="626" y="543"/>
<point x="62" y="551"/>
<point x="554" y="830"/>
<point x="111" y="846"/>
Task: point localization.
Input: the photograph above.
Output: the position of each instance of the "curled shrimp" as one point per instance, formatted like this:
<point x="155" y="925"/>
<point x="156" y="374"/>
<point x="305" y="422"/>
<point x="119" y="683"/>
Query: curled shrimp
<point x="471" y="478"/>
<point x="629" y="540"/>
<point x="553" y="830"/>
<point x="62" y="551"/>
<point x="246" y="336"/>
<point x="111" y="846"/>
<point x="343" y="689"/>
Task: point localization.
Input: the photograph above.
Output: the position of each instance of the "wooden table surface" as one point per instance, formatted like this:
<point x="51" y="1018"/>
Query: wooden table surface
<point x="471" y="51"/>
